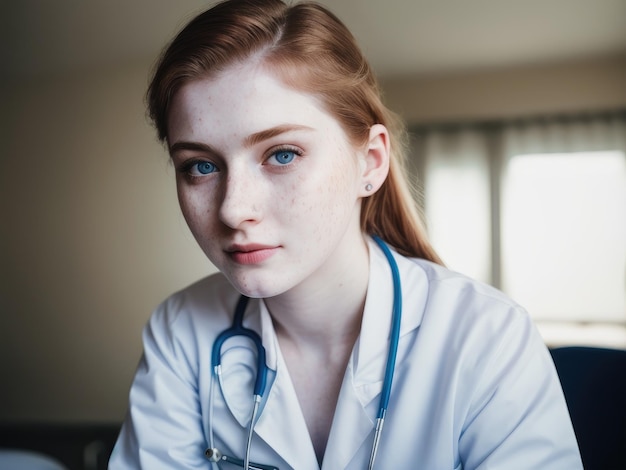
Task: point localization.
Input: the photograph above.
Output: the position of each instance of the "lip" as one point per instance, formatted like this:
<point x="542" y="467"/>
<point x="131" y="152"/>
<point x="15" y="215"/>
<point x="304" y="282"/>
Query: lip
<point x="251" y="254"/>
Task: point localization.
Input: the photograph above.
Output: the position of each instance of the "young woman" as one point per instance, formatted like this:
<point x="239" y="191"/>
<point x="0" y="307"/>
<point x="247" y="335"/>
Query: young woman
<point x="331" y="314"/>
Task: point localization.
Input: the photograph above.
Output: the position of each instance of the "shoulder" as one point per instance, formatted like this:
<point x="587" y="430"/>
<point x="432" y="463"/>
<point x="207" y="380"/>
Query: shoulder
<point x="448" y="289"/>
<point x="444" y="301"/>
<point x="207" y="301"/>
<point x="454" y="309"/>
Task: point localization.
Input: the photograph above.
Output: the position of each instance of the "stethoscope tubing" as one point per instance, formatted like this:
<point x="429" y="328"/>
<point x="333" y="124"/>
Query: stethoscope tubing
<point x="394" y="340"/>
<point x="237" y="329"/>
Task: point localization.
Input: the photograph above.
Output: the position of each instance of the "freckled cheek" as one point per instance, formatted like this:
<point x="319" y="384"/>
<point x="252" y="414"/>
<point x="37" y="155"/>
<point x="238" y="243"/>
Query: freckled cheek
<point x="315" y="208"/>
<point x="197" y="211"/>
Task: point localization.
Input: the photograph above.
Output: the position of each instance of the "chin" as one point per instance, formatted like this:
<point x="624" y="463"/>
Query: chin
<point x="256" y="288"/>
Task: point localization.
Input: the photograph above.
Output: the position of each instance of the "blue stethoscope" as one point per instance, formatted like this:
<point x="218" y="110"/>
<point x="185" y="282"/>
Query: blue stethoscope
<point x="237" y="329"/>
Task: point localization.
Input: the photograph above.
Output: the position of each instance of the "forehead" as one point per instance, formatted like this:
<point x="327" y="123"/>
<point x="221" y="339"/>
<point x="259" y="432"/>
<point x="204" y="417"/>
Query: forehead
<point x="241" y="100"/>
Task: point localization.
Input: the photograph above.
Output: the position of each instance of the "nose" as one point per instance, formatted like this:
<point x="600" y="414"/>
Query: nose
<point x="241" y="200"/>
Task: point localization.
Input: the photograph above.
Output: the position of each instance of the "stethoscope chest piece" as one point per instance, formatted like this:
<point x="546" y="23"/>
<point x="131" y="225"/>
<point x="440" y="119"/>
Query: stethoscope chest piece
<point x="213" y="454"/>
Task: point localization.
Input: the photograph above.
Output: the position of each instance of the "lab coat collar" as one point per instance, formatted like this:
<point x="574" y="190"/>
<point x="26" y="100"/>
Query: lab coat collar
<point x="282" y="425"/>
<point x="370" y="353"/>
<point x="357" y="407"/>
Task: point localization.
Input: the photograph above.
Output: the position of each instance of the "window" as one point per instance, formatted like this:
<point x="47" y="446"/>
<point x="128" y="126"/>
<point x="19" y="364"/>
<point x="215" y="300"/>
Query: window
<point x="538" y="209"/>
<point x="564" y="235"/>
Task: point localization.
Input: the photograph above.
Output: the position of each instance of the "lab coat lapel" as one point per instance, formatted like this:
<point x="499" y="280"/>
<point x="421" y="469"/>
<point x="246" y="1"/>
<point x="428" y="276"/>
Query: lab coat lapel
<point x="355" y="416"/>
<point x="376" y="325"/>
<point x="353" y="422"/>
<point x="282" y="424"/>
<point x="353" y="427"/>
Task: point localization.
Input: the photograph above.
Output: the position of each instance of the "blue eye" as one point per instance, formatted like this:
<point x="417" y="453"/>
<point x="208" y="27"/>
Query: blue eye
<point x="203" y="168"/>
<point x="283" y="157"/>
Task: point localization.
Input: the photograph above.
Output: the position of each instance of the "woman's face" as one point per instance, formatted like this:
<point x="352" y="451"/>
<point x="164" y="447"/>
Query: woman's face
<point x="267" y="181"/>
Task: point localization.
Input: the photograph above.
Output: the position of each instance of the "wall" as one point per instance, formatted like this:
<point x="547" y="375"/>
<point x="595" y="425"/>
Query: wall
<point x="92" y="238"/>
<point x="572" y="87"/>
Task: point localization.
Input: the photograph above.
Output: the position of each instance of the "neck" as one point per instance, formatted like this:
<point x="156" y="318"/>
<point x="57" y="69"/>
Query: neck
<point x="326" y="313"/>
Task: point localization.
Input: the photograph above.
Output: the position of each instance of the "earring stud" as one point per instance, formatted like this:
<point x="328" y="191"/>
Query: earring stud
<point x="368" y="187"/>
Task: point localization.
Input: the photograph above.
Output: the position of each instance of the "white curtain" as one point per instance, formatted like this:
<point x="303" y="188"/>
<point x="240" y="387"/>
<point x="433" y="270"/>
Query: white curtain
<point x="457" y="199"/>
<point x="537" y="208"/>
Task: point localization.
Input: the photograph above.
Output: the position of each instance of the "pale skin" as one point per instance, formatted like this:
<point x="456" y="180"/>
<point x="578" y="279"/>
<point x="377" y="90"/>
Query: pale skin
<point x="271" y="187"/>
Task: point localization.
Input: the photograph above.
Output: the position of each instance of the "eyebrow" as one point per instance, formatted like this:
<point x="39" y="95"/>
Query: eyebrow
<point x="177" y="146"/>
<point x="249" y="141"/>
<point x="258" y="137"/>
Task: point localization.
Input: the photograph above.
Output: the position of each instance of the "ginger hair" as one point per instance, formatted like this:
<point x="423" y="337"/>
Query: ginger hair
<point x="312" y="51"/>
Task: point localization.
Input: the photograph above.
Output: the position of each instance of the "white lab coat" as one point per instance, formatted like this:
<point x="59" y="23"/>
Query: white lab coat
<point x="474" y="385"/>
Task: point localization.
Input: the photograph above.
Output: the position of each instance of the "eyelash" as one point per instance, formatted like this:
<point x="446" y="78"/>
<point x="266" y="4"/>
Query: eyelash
<point x="188" y="167"/>
<point x="273" y="153"/>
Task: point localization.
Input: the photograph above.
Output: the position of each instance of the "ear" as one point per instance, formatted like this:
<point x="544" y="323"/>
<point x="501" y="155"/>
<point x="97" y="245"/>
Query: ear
<point x="375" y="160"/>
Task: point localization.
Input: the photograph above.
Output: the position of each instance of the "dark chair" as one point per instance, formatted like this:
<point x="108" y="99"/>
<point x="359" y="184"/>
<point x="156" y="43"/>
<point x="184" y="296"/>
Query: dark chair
<point x="594" y="384"/>
<point x="27" y="460"/>
<point x="75" y="446"/>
